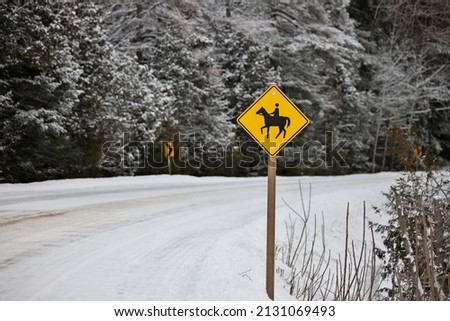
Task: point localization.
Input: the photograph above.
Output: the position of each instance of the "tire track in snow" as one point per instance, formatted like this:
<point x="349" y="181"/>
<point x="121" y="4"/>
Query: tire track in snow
<point x="164" y="243"/>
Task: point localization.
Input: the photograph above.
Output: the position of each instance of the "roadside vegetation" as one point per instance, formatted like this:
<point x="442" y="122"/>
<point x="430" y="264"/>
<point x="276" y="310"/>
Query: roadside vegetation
<point x="412" y="262"/>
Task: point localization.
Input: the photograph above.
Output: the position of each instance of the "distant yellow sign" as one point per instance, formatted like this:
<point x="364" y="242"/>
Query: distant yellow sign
<point x="169" y="151"/>
<point x="273" y="120"/>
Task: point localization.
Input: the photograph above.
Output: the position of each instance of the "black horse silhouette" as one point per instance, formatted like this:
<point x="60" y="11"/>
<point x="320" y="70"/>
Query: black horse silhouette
<point x="278" y="121"/>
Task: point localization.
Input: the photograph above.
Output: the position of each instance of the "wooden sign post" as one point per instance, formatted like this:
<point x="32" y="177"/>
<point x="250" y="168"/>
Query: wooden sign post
<point x="287" y="121"/>
<point x="270" y="251"/>
<point x="169" y="152"/>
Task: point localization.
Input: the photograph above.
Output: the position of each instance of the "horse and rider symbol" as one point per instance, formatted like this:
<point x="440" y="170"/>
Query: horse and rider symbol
<point x="274" y="119"/>
<point x="277" y="111"/>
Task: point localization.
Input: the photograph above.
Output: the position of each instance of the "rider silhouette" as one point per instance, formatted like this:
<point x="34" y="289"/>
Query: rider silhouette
<point x="276" y="112"/>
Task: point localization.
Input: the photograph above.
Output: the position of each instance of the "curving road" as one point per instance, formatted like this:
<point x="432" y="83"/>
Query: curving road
<point x="154" y="237"/>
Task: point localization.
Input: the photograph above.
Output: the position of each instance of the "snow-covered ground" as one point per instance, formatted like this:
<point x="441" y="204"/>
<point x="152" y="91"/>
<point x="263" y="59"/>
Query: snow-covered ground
<point x="161" y="237"/>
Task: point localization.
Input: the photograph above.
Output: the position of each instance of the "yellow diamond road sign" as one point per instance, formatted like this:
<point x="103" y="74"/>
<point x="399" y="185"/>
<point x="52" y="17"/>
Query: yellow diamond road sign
<point x="273" y="120"/>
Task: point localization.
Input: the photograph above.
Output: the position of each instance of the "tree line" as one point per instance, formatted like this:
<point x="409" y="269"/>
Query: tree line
<point x="87" y="88"/>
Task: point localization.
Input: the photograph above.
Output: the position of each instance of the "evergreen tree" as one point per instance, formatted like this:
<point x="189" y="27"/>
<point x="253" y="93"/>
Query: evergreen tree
<point x="77" y="79"/>
<point x="320" y="57"/>
<point x="38" y="87"/>
<point x="116" y="99"/>
<point x="247" y="69"/>
<point x="183" y="68"/>
<point x="66" y="92"/>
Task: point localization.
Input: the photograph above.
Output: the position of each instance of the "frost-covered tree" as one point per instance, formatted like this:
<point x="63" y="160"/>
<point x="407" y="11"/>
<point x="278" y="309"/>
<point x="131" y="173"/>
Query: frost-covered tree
<point x="66" y="91"/>
<point x="179" y="57"/>
<point x="421" y="19"/>
<point x="320" y="57"/>
<point x="409" y="75"/>
<point x="118" y="98"/>
<point x="174" y="64"/>
<point x="77" y="79"/>
<point x="38" y="86"/>
<point x="406" y="87"/>
<point x="247" y="69"/>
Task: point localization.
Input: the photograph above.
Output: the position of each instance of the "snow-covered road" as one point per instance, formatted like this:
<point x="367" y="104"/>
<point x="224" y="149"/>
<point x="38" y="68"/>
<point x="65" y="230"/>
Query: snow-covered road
<point x="157" y="237"/>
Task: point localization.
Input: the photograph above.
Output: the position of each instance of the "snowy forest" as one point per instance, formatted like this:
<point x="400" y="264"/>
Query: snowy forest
<point x="93" y="88"/>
